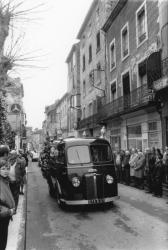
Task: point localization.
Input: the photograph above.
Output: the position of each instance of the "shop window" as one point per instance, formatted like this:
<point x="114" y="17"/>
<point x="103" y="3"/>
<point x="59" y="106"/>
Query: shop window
<point x="152" y="126"/>
<point x="153" y="134"/>
<point x="134" y="137"/>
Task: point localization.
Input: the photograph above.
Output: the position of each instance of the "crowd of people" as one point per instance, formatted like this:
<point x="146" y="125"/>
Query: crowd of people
<point x="12" y="179"/>
<point x="145" y="170"/>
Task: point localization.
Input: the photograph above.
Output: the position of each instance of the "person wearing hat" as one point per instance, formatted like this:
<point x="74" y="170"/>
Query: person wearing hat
<point x="7" y="203"/>
<point x="16" y="173"/>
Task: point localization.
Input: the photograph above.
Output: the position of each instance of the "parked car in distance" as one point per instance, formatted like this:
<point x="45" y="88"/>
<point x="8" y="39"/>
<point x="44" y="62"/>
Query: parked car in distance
<point x="34" y="155"/>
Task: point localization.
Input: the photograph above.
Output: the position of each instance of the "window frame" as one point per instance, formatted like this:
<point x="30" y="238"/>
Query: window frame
<point x="98" y="48"/>
<point x="90" y="53"/>
<point x="83" y="62"/>
<point x="112" y="83"/>
<point x="126" y="26"/>
<point x="143" y="5"/>
<point x="112" y="44"/>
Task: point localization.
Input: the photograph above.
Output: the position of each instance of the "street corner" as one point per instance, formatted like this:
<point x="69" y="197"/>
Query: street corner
<point x="16" y="234"/>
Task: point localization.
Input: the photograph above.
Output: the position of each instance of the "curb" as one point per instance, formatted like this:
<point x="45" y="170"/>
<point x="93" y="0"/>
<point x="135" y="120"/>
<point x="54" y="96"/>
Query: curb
<point x="17" y="227"/>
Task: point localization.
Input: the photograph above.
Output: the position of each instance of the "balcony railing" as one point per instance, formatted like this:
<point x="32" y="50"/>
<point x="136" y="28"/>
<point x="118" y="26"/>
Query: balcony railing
<point x="89" y="122"/>
<point x="137" y="99"/>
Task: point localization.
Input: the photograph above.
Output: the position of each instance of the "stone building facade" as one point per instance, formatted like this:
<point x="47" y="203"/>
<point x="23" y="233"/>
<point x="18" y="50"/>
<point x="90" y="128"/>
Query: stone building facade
<point x="132" y="34"/>
<point x="73" y="90"/>
<point x="92" y="61"/>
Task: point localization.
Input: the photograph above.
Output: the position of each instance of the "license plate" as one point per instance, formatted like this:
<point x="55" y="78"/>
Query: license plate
<point x="96" y="201"/>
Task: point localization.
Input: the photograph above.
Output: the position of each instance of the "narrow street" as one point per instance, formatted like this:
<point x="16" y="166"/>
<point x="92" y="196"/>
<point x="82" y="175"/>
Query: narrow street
<point x="136" y="221"/>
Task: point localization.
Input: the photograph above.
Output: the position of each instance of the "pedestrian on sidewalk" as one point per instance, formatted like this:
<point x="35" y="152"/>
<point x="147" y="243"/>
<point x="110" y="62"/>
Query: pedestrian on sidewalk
<point x="7" y="203"/>
<point x="16" y="173"/>
<point x="23" y="157"/>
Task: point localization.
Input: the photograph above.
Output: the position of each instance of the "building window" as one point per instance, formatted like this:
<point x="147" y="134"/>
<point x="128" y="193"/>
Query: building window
<point x="89" y="29"/>
<point x="134" y="136"/>
<point x="152" y="126"/>
<point x="142" y="74"/>
<point x="84" y="88"/>
<point x="98" y="72"/>
<point x="90" y="109"/>
<point x="124" y="42"/>
<point x="153" y="134"/>
<point x="112" y="55"/>
<point x="98" y="42"/>
<point x="141" y="24"/>
<point x="83" y="63"/>
<point x="84" y="113"/>
<point x="113" y="91"/>
<point x="90" y="53"/>
<point x="91" y="78"/>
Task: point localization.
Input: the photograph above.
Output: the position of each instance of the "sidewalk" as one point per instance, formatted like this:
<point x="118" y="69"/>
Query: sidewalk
<point x="16" y="232"/>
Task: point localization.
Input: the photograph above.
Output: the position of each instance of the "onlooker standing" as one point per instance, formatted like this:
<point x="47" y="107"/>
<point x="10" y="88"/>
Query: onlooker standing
<point x="118" y="166"/>
<point x="7" y="204"/>
<point x="165" y="163"/>
<point x="126" y="167"/>
<point x="16" y="173"/>
<point x="132" y="162"/>
<point x="139" y="170"/>
<point x="151" y="164"/>
<point x="158" y="175"/>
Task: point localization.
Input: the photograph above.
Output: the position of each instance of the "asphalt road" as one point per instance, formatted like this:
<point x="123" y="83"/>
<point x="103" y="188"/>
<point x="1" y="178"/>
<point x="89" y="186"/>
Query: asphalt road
<point x="137" y="221"/>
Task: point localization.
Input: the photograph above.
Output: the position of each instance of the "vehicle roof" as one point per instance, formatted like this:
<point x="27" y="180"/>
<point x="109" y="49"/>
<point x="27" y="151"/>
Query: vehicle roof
<point x="83" y="141"/>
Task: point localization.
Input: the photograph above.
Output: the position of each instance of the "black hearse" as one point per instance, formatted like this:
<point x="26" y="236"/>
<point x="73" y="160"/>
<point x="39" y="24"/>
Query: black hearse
<point x="84" y="172"/>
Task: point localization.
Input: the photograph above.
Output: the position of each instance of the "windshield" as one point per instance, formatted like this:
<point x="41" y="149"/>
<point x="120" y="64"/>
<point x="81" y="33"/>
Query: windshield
<point x="101" y="153"/>
<point x="78" y="154"/>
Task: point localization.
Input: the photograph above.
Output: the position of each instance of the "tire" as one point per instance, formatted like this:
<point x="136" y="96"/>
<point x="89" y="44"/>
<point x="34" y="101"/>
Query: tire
<point x="61" y="204"/>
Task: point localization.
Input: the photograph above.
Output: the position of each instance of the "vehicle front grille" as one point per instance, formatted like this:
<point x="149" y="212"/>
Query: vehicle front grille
<point x="94" y="187"/>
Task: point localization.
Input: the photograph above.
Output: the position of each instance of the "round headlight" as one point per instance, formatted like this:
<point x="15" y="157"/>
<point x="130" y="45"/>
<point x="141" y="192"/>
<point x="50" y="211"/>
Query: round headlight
<point x="75" y="181"/>
<point x="109" y="179"/>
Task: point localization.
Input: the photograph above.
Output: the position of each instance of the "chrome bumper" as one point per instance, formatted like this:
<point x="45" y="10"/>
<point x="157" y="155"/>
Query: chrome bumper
<point x="90" y="202"/>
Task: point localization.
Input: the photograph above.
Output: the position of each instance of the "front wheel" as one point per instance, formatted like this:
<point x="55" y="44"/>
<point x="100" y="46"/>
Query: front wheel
<point x="60" y="203"/>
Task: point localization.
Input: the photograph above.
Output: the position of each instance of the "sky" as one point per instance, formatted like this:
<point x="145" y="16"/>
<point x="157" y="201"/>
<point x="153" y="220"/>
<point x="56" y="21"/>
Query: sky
<point x="46" y="34"/>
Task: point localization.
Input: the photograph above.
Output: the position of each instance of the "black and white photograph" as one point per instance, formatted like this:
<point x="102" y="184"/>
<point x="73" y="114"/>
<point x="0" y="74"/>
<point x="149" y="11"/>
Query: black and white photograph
<point x="83" y="124"/>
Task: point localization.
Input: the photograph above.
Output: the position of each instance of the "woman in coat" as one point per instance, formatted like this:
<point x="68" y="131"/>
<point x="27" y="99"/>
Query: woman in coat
<point x="7" y="204"/>
<point x="139" y="169"/>
<point x="132" y="162"/>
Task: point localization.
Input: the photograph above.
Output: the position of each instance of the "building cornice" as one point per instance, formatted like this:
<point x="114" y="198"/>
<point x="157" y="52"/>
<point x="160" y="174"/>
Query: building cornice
<point x="73" y="49"/>
<point x="93" y="5"/>
<point x="119" y="5"/>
